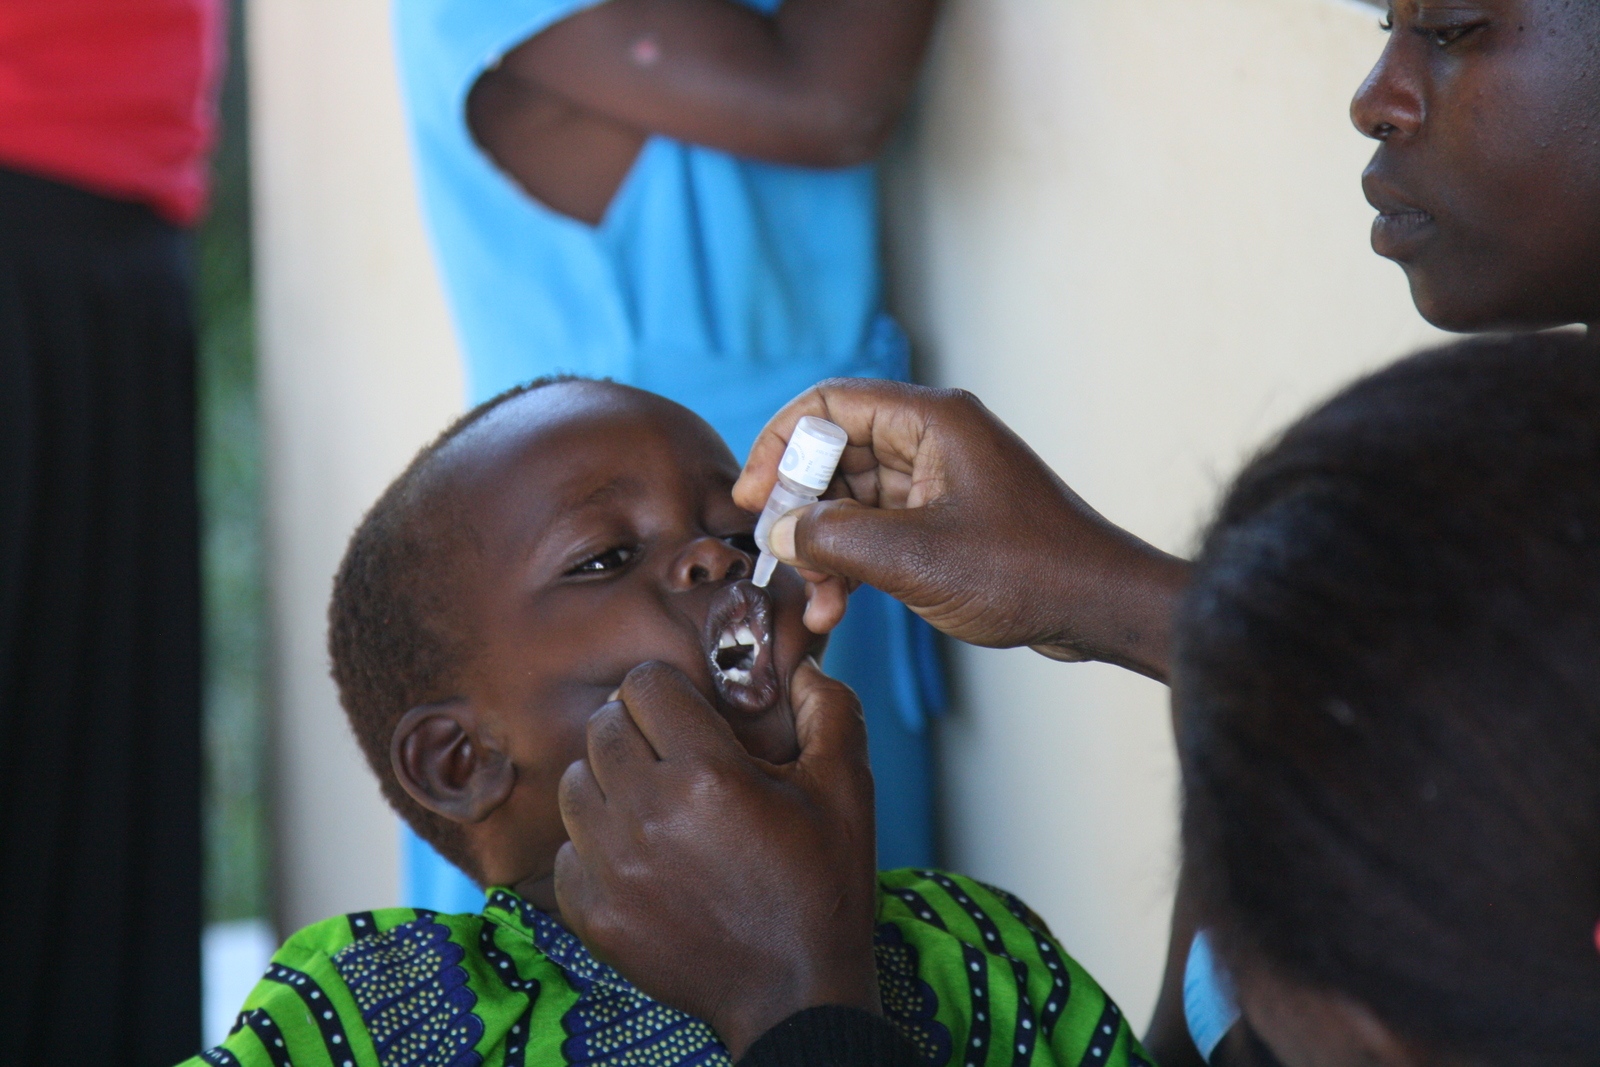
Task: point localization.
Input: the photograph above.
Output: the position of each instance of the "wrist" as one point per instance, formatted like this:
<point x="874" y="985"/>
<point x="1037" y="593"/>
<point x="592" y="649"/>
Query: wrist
<point x="1117" y="612"/>
<point x="741" y="1024"/>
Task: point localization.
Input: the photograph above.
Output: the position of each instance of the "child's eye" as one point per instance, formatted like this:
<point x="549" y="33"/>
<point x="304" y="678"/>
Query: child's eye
<point x="612" y="559"/>
<point x="744" y="542"/>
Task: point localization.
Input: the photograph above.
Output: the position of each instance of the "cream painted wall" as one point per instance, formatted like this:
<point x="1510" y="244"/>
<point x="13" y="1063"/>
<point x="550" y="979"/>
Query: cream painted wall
<point x="1136" y="231"/>
<point x="358" y="369"/>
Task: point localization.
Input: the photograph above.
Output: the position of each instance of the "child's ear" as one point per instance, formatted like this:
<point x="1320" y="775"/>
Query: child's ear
<point x="445" y="761"/>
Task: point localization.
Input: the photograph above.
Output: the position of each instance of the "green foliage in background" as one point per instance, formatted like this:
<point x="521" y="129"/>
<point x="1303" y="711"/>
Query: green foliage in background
<point x="236" y="824"/>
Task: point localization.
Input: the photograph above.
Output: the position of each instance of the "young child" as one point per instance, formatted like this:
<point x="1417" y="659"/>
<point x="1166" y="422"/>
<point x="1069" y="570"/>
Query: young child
<point x="1387" y="685"/>
<point x="550" y="541"/>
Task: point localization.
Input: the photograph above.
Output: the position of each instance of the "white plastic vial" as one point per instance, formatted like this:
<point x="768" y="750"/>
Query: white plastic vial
<point x="803" y="476"/>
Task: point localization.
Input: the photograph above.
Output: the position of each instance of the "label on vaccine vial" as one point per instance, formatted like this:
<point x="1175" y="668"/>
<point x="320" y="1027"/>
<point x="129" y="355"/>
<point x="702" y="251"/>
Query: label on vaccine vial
<point x="813" y="453"/>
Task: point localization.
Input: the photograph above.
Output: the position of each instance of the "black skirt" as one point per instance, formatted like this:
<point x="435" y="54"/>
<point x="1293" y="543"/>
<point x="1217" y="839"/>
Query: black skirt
<point x="100" y="880"/>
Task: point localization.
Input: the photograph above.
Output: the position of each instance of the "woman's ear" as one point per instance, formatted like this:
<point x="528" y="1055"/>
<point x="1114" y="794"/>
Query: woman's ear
<point x="445" y="761"/>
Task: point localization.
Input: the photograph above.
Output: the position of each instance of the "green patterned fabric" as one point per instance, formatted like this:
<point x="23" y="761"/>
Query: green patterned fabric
<point x="968" y="974"/>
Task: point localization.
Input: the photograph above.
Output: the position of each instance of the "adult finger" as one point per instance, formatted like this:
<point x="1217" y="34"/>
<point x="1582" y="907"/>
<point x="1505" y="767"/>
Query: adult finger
<point x="827" y="598"/>
<point x="832" y="766"/>
<point x="617" y="749"/>
<point x="884" y="420"/>
<point x="889" y="549"/>
<point x="673" y="717"/>
<point x="579" y="895"/>
<point x="828" y="721"/>
<point x="761" y="467"/>
<point x="580" y="800"/>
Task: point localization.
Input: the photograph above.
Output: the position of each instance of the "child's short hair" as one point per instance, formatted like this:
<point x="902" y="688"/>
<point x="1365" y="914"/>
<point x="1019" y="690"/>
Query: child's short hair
<point x="395" y="636"/>
<point x="1387" y="674"/>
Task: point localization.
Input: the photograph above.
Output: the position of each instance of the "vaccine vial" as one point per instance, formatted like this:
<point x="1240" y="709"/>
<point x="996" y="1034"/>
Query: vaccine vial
<point x="803" y="476"/>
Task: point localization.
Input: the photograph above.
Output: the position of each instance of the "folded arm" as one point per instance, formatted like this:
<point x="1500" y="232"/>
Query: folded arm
<point x="819" y="83"/>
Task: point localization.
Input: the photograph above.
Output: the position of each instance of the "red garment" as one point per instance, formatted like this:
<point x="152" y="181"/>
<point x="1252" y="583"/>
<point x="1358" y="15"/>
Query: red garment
<point x="113" y="96"/>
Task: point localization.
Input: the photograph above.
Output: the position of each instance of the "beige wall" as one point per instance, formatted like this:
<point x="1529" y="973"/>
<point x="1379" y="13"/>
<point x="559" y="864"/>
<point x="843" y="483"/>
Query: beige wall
<point x="357" y="370"/>
<point x="1136" y="231"/>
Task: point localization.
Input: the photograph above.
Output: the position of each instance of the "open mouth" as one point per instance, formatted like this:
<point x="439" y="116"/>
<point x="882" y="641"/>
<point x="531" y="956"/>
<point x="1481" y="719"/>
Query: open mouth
<point x="738" y="641"/>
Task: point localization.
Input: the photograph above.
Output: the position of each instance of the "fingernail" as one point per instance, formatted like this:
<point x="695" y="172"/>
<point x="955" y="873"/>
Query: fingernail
<point x="781" y="537"/>
<point x="616" y="695"/>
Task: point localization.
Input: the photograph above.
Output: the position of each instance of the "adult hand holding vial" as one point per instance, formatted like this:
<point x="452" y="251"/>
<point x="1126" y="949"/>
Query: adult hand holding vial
<point x="803" y="475"/>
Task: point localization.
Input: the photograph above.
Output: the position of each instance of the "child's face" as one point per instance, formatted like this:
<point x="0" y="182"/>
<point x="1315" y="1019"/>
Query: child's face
<point x="1488" y="174"/>
<point x="604" y="536"/>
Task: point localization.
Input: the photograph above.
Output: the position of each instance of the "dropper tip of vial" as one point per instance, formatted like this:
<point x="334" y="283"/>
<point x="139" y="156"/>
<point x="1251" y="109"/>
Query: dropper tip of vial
<point x="765" y="565"/>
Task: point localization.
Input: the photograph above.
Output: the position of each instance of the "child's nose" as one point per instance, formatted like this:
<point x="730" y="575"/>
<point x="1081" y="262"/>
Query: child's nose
<point x="708" y="559"/>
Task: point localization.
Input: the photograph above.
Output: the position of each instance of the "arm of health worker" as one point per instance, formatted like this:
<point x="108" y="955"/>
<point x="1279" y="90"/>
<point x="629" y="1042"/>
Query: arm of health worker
<point x="939" y="504"/>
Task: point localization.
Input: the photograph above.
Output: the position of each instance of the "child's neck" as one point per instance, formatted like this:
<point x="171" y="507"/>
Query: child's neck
<point x="540" y="891"/>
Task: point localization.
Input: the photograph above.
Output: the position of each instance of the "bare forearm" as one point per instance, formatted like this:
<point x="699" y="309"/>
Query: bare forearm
<point x="1117" y="609"/>
<point x="819" y="83"/>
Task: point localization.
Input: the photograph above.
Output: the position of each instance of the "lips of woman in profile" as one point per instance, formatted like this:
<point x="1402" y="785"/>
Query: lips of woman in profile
<point x="1401" y="228"/>
<point x="739" y="650"/>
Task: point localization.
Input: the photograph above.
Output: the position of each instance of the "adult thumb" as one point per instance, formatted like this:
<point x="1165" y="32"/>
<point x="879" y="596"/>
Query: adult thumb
<point x="876" y="546"/>
<point x="832" y="767"/>
<point x="828" y="722"/>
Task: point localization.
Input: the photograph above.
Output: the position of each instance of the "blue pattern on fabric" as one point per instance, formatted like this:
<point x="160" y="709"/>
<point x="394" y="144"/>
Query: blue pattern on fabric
<point x="411" y="990"/>
<point x="613" y="1023"/>
<point x="909" y="1003"/>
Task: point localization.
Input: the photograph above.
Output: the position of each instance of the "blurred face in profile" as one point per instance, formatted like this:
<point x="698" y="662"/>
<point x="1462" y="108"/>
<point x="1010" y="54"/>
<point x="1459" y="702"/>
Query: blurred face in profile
<point x="1487" y="172"/>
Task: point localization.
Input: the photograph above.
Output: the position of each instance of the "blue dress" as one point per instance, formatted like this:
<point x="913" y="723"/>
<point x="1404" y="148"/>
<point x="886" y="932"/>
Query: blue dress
<point x="726" y="284"/>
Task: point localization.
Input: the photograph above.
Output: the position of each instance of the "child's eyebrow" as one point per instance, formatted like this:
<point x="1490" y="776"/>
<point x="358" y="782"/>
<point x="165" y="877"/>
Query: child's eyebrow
<point x="583" y="496"/>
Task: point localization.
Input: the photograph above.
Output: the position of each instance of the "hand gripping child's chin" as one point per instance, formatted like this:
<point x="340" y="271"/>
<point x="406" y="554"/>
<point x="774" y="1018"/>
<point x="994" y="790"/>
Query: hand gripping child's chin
<point x="492" y="601"/>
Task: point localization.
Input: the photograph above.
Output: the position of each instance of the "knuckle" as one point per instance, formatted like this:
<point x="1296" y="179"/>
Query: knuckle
<point x="569" y="793"/>
<point x="705" y="787"/>
<point x="956" y="397"/>
<point x="608" y="733"/>
<point x="651" y="679"/>
<point x="606" y="721"/>
<point x="600" y="929"/>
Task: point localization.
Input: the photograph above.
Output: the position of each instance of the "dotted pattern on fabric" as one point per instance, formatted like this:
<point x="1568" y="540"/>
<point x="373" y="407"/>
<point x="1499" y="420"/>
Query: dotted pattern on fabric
<point x="320" y="1010"/>
<point x="1105" y="1036"/>
<point x="909" y="1003"/>
<point x="271" y="1037"/>
<point x="412" y="992"/>
<point x="1044" y="941"/>
<point x="968" y="975"/>
<point x="612" y="1022"/>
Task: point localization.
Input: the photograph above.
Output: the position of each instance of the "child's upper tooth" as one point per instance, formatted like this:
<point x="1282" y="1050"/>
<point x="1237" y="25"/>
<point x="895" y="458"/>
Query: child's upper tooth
<point x="727" y="640"/>
<point x="746" y="636"/>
